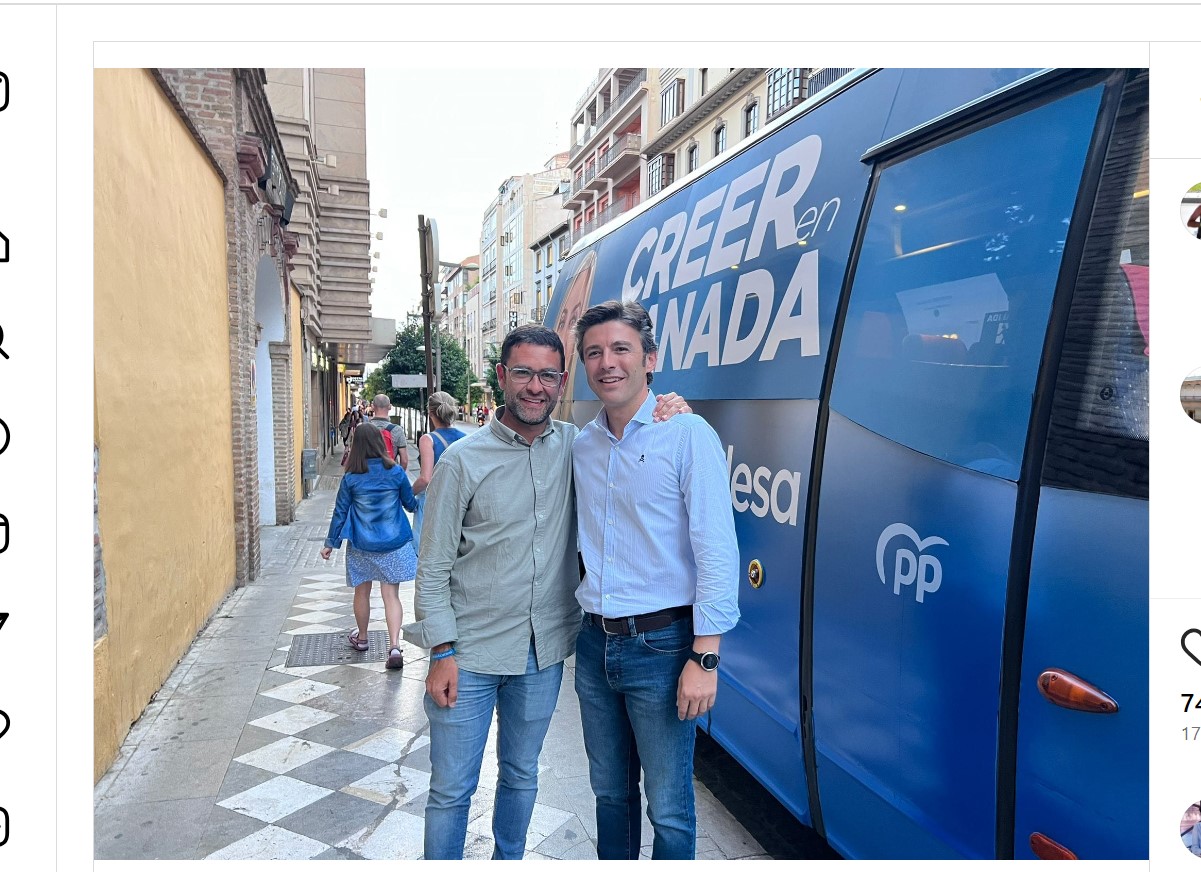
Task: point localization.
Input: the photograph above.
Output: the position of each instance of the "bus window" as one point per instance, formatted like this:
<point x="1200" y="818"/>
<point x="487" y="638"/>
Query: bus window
<point x="949" y="306"/>
<point x="1098" y="436"/>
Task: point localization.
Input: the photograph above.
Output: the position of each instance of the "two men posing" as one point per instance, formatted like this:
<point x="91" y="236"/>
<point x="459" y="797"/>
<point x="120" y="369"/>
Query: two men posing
<point x="498" y="605"/>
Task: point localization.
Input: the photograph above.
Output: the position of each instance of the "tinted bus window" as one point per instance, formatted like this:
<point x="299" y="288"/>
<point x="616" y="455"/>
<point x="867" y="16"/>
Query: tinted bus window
<point x="949" y="306"/>
<point x="1098" y="436"/>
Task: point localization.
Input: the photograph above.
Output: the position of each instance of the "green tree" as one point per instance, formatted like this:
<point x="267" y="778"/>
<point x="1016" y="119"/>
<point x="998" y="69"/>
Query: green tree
<point x="405" y="359"/>
<point x="492" y="356"/>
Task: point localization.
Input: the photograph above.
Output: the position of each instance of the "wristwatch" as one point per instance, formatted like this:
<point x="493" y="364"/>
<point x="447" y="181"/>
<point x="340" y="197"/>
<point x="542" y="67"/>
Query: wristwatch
<point x="708" y="660"/>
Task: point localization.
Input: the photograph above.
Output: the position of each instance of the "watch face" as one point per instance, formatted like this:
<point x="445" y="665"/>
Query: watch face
<point x="709" y="661"/>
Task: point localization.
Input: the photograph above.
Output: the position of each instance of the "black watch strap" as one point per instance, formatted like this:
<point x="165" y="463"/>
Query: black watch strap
<point x="708" y="660"/>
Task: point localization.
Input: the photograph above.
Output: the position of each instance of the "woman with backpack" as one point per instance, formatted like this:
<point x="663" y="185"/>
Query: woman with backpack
<point x="369" y="516"/>
<point x="441" y="410"/>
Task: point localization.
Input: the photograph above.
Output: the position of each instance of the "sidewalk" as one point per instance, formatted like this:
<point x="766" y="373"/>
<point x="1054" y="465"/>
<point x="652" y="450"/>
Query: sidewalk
<point x="241" y="757"/>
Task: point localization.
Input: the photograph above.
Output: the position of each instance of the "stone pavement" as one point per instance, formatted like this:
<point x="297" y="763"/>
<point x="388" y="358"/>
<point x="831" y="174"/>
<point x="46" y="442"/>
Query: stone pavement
<point x="240" y="757"/>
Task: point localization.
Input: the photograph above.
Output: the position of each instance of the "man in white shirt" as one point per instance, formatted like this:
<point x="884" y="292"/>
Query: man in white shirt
<point x="656" y="531"/>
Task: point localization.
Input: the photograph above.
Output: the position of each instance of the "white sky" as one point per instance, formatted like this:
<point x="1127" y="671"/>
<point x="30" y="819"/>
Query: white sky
<point x="439" y="143"/>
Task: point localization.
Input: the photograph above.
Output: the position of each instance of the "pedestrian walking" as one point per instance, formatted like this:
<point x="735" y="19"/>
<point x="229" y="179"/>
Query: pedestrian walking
<point x="656" y="533"/>
<point x="344" y="427"/>
<point x="394" y="434"/>
<point x="368" y="516"/>
<point x="441" y="410"/>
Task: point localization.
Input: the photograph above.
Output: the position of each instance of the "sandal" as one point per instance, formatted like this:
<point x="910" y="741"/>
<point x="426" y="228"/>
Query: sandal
<point x="355" y="642"/>
<point x="396" y="660"/>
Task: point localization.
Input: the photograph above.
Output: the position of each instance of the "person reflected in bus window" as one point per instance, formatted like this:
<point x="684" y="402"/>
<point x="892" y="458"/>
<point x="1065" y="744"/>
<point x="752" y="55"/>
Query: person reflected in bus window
<point x="656" y="531"/>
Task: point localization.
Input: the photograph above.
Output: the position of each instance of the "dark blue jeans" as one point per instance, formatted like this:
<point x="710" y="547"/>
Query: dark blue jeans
<point x="627" y="689"/>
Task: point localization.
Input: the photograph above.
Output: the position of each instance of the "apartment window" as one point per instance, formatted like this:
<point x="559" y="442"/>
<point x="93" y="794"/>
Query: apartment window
<point x="602" y="205"/>
<point x="538" y="260"/>
<point x="694" y="157"/>
<point x="750" y="117"/>
<point x="672" y="102"/>
<point x="704" y="81"/>
<point x="661" y="172"/>
<point x="550" y="254"/>
<point x="783" y="89"/>
<point x="719" y="140"/>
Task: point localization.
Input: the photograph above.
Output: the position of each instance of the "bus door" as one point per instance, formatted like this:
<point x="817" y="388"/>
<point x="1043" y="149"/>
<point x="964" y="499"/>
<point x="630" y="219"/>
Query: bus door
<point x="929" y="406"/>
<point x="1081" y="779"/>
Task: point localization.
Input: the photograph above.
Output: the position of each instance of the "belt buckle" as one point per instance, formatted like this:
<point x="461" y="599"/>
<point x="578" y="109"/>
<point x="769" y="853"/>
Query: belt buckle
<point x="605" y="626"/>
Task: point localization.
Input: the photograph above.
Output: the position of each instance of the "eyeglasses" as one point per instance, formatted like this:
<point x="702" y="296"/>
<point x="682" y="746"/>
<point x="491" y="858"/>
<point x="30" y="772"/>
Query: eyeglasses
<point x="521" y="375"/>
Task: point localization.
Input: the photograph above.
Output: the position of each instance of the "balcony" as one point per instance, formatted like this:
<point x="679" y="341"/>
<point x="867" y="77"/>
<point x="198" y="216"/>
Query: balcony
<point x="621" y="157"/>
<point x="607" y="215"/>
<point x="489" y="325"/>
<point x="823" y="77"/>
<point x="623" y="97"/>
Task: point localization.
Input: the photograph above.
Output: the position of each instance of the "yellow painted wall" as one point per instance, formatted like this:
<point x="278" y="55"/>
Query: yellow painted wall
<point x="300" y="368"/>
<point x="162" y="398"/>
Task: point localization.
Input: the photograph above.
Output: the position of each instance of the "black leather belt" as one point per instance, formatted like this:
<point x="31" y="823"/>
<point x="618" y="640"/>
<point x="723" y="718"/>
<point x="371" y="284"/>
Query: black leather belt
<point x="636" y="624"/>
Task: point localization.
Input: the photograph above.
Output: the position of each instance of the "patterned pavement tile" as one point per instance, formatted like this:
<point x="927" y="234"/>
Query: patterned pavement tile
<point x="399" y="836"/>
<point x="271" y="843"/>
<point x="300" y="690"/>
<point x="316" y="628"/>
<point x="292" y="720"/>
<point x="389" y="744"/>
<point x="390" y="783"/>
<point x="336" y="769"/>
<point x="285" y="755"/>
<point x="334" y="818"/>
<point x="274" y="799"/>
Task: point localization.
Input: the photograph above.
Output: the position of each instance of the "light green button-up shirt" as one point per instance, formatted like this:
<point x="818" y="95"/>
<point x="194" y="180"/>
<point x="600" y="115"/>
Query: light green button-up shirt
<point x="498" y="551"/>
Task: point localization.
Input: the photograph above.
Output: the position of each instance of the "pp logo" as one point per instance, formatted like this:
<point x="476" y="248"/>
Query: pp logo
<point x="910" y="566"/>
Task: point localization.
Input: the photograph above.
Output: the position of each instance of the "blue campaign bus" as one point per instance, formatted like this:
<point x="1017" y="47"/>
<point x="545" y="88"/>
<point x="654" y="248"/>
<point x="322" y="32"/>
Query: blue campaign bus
<point x="915" y="311"/>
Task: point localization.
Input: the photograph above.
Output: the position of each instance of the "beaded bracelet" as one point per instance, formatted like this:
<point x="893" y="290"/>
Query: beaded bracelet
<point x="449" y="652"/>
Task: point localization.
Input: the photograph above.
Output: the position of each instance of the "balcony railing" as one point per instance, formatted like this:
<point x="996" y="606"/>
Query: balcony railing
<point x="823" y="77"/>
<point x="604" y="217"/>
<point x="623" y="97"/>
<point x="490" y="325"/>
<point x="625" y="143"/>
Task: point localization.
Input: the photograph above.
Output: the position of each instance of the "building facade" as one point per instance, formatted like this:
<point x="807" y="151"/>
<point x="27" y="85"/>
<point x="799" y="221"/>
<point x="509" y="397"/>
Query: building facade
<point x="549" y="250"/>
<point x="192" y="251"/>
<point x="525" y="208"/>
<point x="456" y="287"/>
<point x="322" y="117"/>
<point x="608" y="127"/>
<point x="635" y="132"/>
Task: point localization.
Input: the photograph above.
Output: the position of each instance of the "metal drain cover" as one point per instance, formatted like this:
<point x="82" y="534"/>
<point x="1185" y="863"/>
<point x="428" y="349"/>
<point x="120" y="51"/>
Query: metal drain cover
<point x="332" y="649"/>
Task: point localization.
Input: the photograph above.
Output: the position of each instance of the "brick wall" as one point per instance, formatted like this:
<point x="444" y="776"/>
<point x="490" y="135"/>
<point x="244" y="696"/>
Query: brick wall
<point x="284" y="432"/>
<point x="222" y="104"/>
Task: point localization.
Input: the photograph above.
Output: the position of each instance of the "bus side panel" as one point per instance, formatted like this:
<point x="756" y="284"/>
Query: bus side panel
<point x="757" y="716"/>
<point x="1082" y="777"/>
<point x="905" y="690"/>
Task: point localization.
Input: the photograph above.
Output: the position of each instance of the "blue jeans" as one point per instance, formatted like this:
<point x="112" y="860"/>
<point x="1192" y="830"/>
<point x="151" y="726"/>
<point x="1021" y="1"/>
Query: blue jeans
<point x="627" y="689"/>
<point x="524" y="705"/>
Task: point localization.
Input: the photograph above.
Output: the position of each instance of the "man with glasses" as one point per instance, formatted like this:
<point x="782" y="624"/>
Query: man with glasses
<point x="495" y="596"/>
